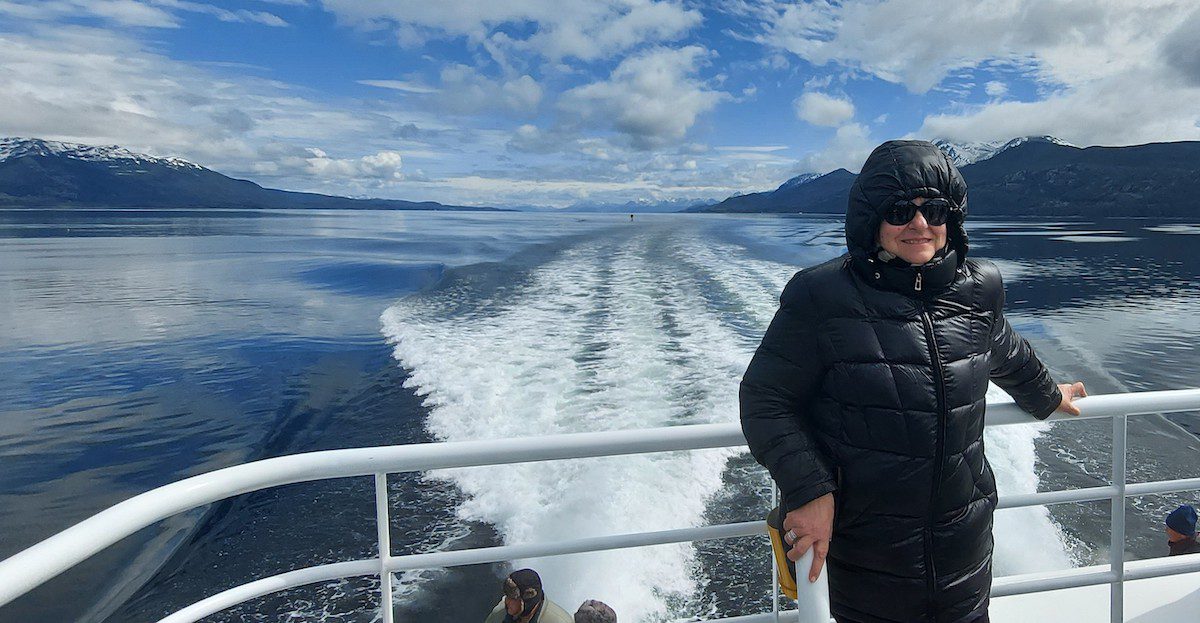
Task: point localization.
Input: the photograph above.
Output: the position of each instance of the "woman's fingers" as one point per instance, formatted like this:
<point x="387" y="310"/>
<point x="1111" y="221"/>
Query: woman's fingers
<point x="820" y="550"/>
<point x="800" y="547"/>
<point x="810" y="527"/>
<point x="1071" y="391"/>
<point x="1077" y="391"/>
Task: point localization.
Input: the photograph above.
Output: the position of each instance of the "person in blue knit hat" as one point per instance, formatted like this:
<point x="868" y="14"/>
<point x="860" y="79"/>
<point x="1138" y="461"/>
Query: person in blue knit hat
<point x="1181" y="531"/>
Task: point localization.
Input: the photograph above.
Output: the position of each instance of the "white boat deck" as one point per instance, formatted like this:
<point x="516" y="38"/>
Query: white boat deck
<point x="1169" y="599"/>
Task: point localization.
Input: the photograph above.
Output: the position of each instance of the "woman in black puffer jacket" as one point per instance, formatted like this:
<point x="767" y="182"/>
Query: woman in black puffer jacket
<point x="867" y="394"/>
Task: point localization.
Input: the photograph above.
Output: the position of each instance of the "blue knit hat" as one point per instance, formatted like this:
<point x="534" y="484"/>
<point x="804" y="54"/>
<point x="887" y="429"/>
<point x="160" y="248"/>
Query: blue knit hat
<point x="1183" y="520"/>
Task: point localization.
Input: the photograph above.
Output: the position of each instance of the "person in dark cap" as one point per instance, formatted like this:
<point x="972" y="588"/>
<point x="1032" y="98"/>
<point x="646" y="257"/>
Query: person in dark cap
<point x="865" y="400"/>
<point x="592" y="611"/>
<point x="1181" y="531"/>
<point x="524" y="602"/>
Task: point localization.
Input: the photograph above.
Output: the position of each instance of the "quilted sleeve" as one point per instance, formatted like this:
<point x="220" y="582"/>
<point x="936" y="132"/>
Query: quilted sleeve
<point x="782" y="378"/>
<point x="1017" y="369"/>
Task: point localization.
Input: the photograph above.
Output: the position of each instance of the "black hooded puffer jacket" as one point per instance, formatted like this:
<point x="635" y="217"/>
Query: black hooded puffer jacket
<point x="870" y="383"/>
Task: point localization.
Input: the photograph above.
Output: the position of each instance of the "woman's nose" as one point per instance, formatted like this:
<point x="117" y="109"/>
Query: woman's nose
<point x="918" y="221"/>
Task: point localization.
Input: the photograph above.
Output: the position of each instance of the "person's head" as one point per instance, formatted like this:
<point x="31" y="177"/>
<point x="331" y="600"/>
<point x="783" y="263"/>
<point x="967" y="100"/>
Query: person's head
<point x="522" y="593"/>
<point x="908" y="200"/>
<point x="1181" y="523"/>
<point x="592" y="611"/>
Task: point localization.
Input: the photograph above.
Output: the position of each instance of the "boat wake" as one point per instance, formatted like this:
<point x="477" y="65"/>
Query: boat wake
<point x="631" y="329"/>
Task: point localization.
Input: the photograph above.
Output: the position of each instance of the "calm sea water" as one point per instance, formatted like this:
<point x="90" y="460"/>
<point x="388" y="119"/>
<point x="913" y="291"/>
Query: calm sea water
<point x="138" y="347"/>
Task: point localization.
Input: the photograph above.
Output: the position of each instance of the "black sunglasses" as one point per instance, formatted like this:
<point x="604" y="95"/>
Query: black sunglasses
<point x="936" y="211"/>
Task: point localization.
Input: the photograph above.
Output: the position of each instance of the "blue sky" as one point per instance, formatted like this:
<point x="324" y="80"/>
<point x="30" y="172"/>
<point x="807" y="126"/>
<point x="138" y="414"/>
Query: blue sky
<point x="552" y="102"/>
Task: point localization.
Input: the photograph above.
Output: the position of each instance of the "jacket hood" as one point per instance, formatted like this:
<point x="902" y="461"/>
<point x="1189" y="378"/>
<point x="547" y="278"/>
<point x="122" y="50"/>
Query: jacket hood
<point x="903" y="170"/>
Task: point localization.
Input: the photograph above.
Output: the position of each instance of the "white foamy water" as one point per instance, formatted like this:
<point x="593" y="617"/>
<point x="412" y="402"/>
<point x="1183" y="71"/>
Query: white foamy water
<point x="634" y="330"/>
<point x="1026" y="539"/>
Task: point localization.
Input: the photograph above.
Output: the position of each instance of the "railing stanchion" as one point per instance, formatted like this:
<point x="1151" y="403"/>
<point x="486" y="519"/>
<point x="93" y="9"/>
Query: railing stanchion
<point x="1117" y="538"/>
<point x="385" y="547"/>
<point x="774" y="567"/>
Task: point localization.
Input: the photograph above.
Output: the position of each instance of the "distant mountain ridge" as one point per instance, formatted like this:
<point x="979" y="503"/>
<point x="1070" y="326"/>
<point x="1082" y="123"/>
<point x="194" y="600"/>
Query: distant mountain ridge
<point x="640" y="206"/>
<point x="1038" y="175"/>
<point x="1037" y="178"/>
<point x="35" y="172"/>
<point x="962" y="154"/>
<point x="803" y="193"/>
<point x="1029" y="176"/>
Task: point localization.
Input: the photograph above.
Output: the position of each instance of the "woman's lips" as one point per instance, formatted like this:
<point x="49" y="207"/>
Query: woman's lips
<point x="917" y="241"/>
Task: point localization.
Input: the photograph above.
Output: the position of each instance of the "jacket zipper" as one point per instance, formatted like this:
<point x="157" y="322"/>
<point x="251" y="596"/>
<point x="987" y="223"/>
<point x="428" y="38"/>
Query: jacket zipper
<point x="939" y="451"/>
<point x="917" y="283"/>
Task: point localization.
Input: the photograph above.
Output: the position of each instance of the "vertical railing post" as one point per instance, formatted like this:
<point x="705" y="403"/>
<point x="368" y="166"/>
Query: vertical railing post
<point x="1117" y="538"/>
<point x="774" y="566"/>
<point x="385" y="547"/>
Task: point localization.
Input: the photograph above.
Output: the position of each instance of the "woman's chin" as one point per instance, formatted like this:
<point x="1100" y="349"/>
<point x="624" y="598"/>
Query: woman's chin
<point x="916" y="257"/>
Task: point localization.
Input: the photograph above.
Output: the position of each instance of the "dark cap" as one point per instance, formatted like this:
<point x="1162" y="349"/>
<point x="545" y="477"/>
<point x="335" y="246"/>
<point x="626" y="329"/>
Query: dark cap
<point x="592" y="611"/>
<point x="523" y="584"/>
<point x="1183" y="520"/>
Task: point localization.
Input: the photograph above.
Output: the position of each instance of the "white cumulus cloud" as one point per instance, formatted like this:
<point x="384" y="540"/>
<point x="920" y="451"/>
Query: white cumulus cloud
<point x="384" y="165"/>
<point x="98" y="87"/>
<point x="582" y="29"/>
<point x="822" y="109"/>
<point x="464" y="90"/>
<point x="653" y="98"/>
<point x="1115" y="72"/>
<point x="847" y="149"/>
<point x="1147" y="92"/>
<point x="1064" y="42"/>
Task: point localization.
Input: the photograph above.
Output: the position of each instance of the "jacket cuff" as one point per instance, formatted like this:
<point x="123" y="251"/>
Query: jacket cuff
<point x="1051" y="406"/>
<point x="795" y="499"/>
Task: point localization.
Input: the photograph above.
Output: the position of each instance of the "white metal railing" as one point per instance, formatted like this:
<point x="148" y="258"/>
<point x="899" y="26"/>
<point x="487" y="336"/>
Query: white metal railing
<point x="37" y="564"/>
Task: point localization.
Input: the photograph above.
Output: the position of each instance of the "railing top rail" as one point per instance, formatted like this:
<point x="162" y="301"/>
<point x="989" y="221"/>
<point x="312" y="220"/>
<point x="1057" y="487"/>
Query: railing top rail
<point x="35" y="565"/>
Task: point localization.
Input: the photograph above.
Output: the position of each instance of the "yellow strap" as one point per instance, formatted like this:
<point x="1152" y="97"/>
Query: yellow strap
<point x="787" y="581"/>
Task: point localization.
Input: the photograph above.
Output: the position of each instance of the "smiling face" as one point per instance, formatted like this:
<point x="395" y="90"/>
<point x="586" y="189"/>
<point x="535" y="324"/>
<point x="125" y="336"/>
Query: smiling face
<point x="915" y="242"/>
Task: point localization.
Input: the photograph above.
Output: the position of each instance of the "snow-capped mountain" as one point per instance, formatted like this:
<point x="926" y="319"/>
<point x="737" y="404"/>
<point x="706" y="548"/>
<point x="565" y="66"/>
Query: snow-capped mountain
<point x="1032" y="176"/>
<point x="803" y="178"/>
<point x="962" y="154"/>
<point x="803" y="193"/>
<point x="18" y="147"/>
<point x="35" y="172"/>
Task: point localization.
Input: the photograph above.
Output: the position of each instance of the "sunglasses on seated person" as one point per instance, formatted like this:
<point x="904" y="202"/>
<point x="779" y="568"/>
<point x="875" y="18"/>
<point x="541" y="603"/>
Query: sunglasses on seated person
<point x="936" y="211"/>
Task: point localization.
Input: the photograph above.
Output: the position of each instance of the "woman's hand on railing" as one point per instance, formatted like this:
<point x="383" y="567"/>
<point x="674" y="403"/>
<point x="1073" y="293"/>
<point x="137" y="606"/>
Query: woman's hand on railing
<point x="1070" y="391"/>
<point x="810" y="525"/>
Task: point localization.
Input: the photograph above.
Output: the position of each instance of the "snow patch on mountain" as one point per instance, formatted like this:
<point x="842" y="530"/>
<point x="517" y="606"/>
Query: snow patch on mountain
<point x="20" y="147"/>
<point x="803" y="178"/>
<point x="962" y="154"/>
